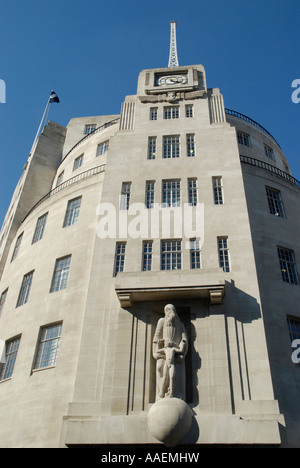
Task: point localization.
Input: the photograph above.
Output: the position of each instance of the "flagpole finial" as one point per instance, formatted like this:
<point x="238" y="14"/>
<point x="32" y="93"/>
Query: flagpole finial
<point x="173" y="58"/>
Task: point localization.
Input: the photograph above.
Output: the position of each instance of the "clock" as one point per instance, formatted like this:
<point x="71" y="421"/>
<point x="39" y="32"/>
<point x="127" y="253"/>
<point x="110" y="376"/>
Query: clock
<point x="169" y="80"/>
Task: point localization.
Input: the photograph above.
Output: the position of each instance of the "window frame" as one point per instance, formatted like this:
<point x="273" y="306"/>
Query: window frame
<point x="223" y="252"/>
<point x="217" y="182"/>
<point x="7" y="368"/>
<point x="77" y="162"/>
<point x="288" y="267"/>
<point x="120" y="257"/>
<point x="190" y="145"/>
<point x="25" y="289"/>
<point x="171" y="112"/>
<point x="39" y="228"/>
<point x="125" y="195"/>
<point x="61" y="272"/>
<point x="171" y="194"/>
<point x="147" y="255"/>
<point x="45" y="355"/>
<point x="171" y="146"/>
<point x="72" y="212"/>
<point x="275" y="202"/>
<point x="171" y="254"/>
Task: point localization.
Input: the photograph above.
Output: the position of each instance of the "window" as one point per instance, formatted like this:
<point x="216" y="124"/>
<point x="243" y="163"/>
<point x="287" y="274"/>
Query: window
<point x="275" y="202"/>
<point x="11" y="352"/>
<point x="102" y="148"/>
<point x="223" y="254"/>
<point x="192" y="191"/>
<point x="60" y="178"/>
<point x="25" y="289"/>
<point x="2" y="300"/>
<point x="125" y="195"/>
<point x="39" y="229"/>
<point x="218" y="190"/>
<point x="150" y="191"/>
<point x="17" y="247"/>
<point x="171" y="112"/>
<point x="147" y="256"/>
<point x="170" y="193"/>
<point x="72" y="213"/>
<point x="243" y="138"/>
<point x="61" y="274"/>
<point x="269" y="152"/>
<point x="171" y="254"/>
<point x="189" y="110"/>
<point x="119" y="257"/>
<point x="78" y="162"/>
<point x="294" y="328"/>
<point x="171" y="147"/>
<point x="153" y="113"/>
<point x="190" y="145"/>
<point x="195" y="253"/>
<point x="288" y="265"/>
<point x="151" y="148"/>
<point x="89" y="128"/>
<point x="48" y="346"/>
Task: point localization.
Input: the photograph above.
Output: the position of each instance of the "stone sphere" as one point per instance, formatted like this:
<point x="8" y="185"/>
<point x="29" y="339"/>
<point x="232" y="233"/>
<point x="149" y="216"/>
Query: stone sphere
<point x="170" y="420"/>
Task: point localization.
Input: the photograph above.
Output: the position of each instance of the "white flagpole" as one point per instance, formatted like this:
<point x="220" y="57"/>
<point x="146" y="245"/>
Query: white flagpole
<point x="39" y="129"/>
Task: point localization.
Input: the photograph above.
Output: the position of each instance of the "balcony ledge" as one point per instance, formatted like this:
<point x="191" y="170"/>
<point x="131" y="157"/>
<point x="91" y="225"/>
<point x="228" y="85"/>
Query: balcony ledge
<point x="132" y="287"/>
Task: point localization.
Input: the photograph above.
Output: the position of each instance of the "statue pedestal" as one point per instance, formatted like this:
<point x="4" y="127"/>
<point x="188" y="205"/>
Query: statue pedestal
<point x="170" y="420"/>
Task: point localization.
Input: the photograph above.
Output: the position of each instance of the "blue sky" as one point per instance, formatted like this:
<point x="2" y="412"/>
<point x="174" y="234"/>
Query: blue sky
<point x="91" y="51"/>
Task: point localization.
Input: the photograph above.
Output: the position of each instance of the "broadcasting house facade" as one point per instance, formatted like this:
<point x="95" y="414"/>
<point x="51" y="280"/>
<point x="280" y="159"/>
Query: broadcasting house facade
<point x="176" y="200"/>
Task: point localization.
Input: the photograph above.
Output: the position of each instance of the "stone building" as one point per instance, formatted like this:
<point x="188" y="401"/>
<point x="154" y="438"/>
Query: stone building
<point x="176" y="200"/>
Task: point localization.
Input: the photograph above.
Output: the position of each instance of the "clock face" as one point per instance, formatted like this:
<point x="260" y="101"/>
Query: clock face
<point x="170" y="80"/>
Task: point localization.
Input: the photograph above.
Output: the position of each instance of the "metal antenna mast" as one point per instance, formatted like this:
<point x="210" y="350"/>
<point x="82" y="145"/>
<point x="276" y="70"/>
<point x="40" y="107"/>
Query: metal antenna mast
<point x="173" y="59"/>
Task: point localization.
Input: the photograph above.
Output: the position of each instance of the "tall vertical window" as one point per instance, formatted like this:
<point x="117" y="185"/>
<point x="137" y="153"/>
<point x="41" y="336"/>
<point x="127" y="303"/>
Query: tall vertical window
<point x="171" y="254"/>
<point x="153" y="113"/>
<point x="150" y="192"/>
<point x="275" y="202"/>
<point x="294" y="328"/>
<point x="125" y="195"/>
<point x="72" y="213"/>
<point x="61" y="274"/>
<point x="243" y="138"/>
<point x="288" y="265"/>
<point x="77" y="162"/>
<point x="119" y="257"/>
<point x="223" y="254"/>
<point x="89" y="128"/>
<point x="269" y="152"/>
<point x="39" y="229"/>
<point x="11" y="352"/>
<point x="218" y="190"/>
<point x="195" y="253"/>
<point x="171" y="112"/>
<point x="151" y="148"/>
<point x="171" y="146"/>
<point x="25" y="289"/>
<point x="17" y="247"/>
<point x="60" y="178"/>
<point x="192" y="191"/>
<point x="2" y="300"/>
<point x="147" y="256"/>
<point x="102" y="148"/>
<point x="48" y="346"/>
<point x="190" y="145"/>
<point x="189" y="110"/>
<point x="171" y="193"/>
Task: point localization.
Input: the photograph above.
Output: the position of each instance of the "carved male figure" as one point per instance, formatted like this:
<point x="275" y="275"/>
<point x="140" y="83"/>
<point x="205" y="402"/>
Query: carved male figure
<point x="170" y="345"/>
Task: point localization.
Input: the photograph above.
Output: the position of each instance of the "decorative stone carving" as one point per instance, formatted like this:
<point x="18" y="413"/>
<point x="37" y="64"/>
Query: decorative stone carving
<point x="170" y="345"/>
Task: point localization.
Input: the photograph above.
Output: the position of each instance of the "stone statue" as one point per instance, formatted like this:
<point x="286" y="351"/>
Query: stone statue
<point x="170" y="345"/>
